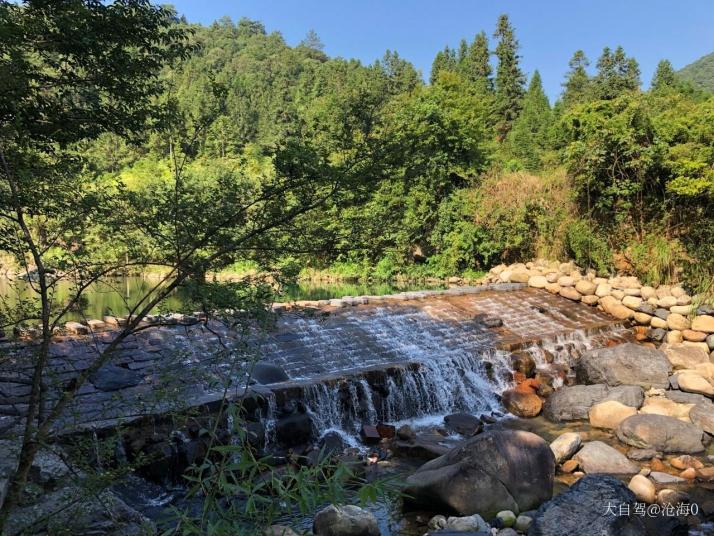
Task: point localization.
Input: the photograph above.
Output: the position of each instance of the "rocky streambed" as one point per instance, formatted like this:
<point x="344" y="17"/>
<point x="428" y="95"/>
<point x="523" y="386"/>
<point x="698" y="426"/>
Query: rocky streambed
<point x="562" y="421"/>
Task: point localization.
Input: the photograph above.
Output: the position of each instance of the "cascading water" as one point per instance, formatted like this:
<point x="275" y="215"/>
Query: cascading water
<point x="406" y="362"/>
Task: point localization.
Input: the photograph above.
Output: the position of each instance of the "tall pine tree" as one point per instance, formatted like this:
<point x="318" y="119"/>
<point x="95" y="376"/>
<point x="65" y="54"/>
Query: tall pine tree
<point x="664" y="77"/>
<point x="510" y="80"/>
<point x="529" y="136"/>
<point x="577" y="83"/>
<point x="476" y="66"/>
<point x="616" y="74"/>
<point x="445" y="60"/>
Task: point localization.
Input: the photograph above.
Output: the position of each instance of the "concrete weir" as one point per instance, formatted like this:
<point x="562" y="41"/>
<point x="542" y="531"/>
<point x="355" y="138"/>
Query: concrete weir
<point x="383" y="359"/>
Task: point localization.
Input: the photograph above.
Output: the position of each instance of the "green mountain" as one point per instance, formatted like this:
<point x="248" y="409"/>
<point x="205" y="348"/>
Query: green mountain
<point x="701" y="72"/>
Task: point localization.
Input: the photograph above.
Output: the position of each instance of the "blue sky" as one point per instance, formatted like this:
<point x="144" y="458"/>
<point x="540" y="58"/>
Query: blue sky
<point x="549" y="31"/>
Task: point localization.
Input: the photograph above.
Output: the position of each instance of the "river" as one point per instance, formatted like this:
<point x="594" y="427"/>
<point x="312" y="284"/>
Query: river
<point x="116" y="296"/>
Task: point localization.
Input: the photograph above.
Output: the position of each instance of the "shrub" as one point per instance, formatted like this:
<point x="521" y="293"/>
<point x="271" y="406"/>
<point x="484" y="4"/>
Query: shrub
<point x="656" y="259"/>
<point x="587" y="248"/>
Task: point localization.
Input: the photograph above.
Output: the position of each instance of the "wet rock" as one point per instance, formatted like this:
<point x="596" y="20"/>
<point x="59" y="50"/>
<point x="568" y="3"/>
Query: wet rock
<point x="657" y="334"/>
<point x="522" y="404"/>
<point x="267" y="373"/>
<point x="664" y="434"/>
<point x="507" y="518"/>
<point x="573" y="403"/>
<point x="369" y="434"/>
<point x="494" y="471"/>
<point x="524" y="363"/>
<point x="598" y="457"/>
<point x="113" y="378"/>
<point x="294" y="430"/>
<point x="463" y="423"/>
<point x="612" y="306"/>
<point x="565" y="445"/>
<point x="345" y="521"/>
<point x="586" y="502"/>
<point x="406" y="432"/>
<point x="332" y="443"/>
<point x="624" y="364"/>
<point x="423" y="446"/>
<point x="492" y="322"/>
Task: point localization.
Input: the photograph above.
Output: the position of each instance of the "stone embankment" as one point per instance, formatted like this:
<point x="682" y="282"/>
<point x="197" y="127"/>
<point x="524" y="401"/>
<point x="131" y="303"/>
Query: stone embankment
<point x="666" y="313"/>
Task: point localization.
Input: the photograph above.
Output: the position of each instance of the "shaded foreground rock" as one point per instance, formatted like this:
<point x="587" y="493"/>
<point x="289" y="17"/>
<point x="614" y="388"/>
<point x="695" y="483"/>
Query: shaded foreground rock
<point x="662" y="433"/>
<point x="345" y="521"/>
<point x="497" y="470"/>
<point x="624" y="364"/>
<point x="582" y="510"/>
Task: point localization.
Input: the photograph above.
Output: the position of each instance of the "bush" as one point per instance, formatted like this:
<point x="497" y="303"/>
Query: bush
<point x="587" y="248"/>
<point x="656" y="259"/>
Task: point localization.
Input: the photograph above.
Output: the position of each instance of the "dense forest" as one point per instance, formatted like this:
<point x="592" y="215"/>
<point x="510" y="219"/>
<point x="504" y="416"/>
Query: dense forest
<point x="700" y="72"/>
<point x="471" y="169"/>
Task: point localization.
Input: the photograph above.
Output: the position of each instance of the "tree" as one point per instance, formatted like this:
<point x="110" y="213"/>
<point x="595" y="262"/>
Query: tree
<point x="510" y="80"/>
<point x="616" y="74"/>
<point x="476" y="66"/>
<point x="445" y="60"/>
<point x="312" y="41"/>
<point x="402" y="75"/>
<point x="664" y="76"/>
<point x="529" y="136"/>
<point x="76" y="71"/>
<point x="576" y="87"/>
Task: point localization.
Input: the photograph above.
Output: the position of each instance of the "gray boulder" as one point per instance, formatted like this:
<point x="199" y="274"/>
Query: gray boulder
<point x="660" y="432"/>
<point x="598" y="457"/>
<point x="267" y="373"/>
<point x="573" y="403"/>
<point x="345" y="521"/>
<point x="583" y="509"/>
<point x="702" y="415"/>
<point x="494" y="471"/>
<point x="113" y="378"/>
<point x="629" y="395"/>
<point x="625" y="364"/>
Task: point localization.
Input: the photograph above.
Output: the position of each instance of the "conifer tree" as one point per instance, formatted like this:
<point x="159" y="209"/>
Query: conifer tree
<point x="577" y="82"/>
<point x="529" y="136"/>
<point x="664" y="76"/>
<point x="445" y="60"/>
<point x="509" y="78"/>
<point x="616" y="74"/>
<point x="476" y="66"/>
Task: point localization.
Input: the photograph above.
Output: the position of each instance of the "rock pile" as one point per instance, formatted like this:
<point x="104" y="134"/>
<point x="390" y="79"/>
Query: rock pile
<point x="664" y="313"/>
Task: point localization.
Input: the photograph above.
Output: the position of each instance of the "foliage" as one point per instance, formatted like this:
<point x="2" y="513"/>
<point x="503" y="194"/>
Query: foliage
<point x="510" y="80"/>
<point x="656" y="259"/>
<point x="588" y="247"/>
<point x="700" y="72"/>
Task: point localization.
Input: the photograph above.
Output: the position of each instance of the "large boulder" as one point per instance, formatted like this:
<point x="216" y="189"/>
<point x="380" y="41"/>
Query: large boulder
<point x="609" y="414"/>
<point x="662" y="433"/>
<point x="345" y="521"/>
<point x="624" y="364"/>
<point x="494" y="471"/>
<point x="591" y="506"/>
<point x="629" y="395"/>
<point x="521" y="404"/>
<point x="598" y="457"/>
<point x="573" y="403"/>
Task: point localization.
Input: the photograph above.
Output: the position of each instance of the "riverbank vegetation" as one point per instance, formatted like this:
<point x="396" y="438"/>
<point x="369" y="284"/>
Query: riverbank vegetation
<point x="450" y="177"/>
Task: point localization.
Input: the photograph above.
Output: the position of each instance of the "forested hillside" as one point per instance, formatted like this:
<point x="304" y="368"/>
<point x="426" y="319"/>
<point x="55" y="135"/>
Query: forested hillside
<point x="701" y="72"/>
<point x="471" y="169"/>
